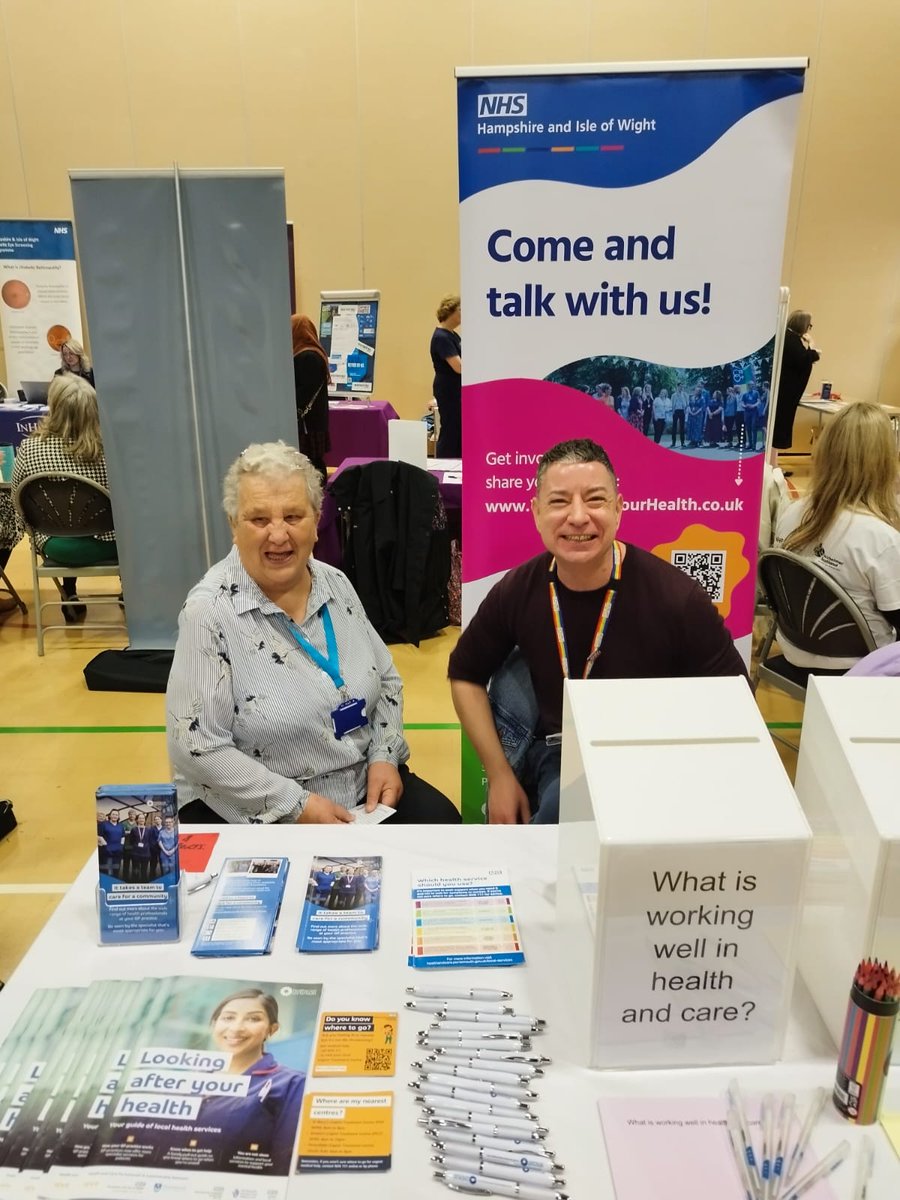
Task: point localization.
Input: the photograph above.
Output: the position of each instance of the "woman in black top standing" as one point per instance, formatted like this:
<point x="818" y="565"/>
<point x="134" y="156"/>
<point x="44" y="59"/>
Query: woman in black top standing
<point x="311" y="379"/>
<point x="797" y="359"/>
<point x="446" y="355"/>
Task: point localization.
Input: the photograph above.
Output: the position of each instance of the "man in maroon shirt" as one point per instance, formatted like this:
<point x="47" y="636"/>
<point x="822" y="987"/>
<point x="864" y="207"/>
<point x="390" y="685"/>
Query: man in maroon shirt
<point x="589" y="607"/>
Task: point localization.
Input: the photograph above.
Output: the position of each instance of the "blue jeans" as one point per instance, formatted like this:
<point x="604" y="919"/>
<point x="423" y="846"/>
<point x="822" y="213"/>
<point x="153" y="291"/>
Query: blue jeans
<point x="516" y="715"/>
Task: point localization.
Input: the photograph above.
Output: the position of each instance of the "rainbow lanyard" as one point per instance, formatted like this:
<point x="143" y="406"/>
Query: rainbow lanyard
<point x="602" y="620"/>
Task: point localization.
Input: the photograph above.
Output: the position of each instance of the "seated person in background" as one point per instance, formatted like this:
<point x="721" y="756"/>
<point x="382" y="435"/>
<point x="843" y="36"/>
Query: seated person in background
<point x="74" y="361"/>
<point x="68" y="441"/>
<point x="283" y="703"/>
<point x="588" y="607"/>
<point x="849" y="523"/>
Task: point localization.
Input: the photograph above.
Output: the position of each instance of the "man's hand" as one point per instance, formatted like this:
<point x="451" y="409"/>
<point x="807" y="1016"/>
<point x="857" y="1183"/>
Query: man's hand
<point x="507" y="802"/>
<point x="383" y="785"/>
<point x="319" y="810"/>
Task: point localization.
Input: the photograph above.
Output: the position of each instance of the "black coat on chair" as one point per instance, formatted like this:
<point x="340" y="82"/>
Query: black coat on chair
<point x="396" y="547"/>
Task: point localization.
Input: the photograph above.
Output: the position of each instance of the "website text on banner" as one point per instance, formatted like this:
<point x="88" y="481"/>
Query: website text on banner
<point x="622" y="232"/>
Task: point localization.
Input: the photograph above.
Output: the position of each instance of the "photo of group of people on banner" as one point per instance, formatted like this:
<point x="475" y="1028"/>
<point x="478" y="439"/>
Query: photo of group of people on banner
<point x="723" y="407"/>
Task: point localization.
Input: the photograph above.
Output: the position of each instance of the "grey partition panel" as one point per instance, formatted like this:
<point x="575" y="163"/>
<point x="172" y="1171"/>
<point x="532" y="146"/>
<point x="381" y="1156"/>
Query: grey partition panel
<point x="181" y="390"/>
<point x="239" y="313"/>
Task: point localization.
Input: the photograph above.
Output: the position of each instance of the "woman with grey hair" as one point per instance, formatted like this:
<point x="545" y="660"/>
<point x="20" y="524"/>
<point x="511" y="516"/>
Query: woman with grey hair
<point x="283" y="703"/>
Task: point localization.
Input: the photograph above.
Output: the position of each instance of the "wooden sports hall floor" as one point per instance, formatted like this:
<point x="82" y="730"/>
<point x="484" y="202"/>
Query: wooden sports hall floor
<point x="59" y="742"/>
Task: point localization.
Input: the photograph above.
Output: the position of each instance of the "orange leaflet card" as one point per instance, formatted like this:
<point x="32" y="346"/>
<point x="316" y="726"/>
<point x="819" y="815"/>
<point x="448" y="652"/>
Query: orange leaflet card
<point x="195" y="849"/>
<point x="341" y="1132"/>
<point x="356" y="1044"/>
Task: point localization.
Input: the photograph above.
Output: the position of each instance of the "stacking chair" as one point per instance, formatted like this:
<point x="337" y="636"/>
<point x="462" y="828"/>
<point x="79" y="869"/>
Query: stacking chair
<point x="58" y="505"/>
<point x="814" y="613"/>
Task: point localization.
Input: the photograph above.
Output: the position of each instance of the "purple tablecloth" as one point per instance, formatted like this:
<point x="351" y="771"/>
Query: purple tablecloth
<point x="328" y="547"/>
<point x="18" y="420"/>
<point x="358" y="427"/>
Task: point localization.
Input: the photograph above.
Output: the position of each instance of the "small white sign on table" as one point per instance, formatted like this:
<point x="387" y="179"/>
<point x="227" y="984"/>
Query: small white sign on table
<point x="683" y="854"/>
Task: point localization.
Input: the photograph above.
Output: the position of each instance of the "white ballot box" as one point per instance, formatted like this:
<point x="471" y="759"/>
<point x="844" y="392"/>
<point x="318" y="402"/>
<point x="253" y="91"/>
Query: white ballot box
<point x="848" y="781"/>
<point x="682" y="858"/>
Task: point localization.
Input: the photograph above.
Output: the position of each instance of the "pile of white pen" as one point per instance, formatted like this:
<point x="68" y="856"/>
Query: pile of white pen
<point x="475" y="1085"/>
<point x="771" y="1170"/>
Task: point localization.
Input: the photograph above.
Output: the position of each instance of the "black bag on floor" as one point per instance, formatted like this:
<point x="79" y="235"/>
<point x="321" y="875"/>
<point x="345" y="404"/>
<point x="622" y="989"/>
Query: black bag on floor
<point x="8" y="822"/>
<point x="129" y="671"/>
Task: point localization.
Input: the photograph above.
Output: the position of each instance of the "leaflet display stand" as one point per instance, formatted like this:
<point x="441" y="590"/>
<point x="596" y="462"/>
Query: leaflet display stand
<point x="683" y="853"/>
<point x="848" y="781"/>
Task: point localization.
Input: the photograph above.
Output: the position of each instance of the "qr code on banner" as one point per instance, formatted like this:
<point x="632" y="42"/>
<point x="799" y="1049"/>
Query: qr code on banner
<point x="707" y="567"/>
<point x="379" y="1060"/>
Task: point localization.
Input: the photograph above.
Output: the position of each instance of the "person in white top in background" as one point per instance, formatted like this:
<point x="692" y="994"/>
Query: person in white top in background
<point x="850" y="522"/>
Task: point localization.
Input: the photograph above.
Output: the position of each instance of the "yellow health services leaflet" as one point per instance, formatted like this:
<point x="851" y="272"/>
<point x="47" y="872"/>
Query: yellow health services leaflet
<point x="346" y="1132"/>
<point x="356" y="1044"/>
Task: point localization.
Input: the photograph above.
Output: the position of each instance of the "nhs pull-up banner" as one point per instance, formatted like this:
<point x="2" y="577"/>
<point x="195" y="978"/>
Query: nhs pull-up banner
<point x="622" y="230"/>
<point x="39" y="302"/>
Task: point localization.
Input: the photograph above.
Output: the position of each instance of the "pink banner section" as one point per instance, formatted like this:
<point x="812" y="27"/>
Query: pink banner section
<point x="695" y="509"/>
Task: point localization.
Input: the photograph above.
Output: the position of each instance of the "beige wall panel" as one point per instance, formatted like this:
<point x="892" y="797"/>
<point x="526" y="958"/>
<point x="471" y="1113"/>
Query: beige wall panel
<point x="410" y="196"/>
<point x="529" y="31"/>
<point x="761" y="28"/>
<point x="302" y="114"/>
<point x="70" y="90"/>
<point x="847" y="253"/>
<point x="646" y="30"/>
<point x="184" y="74"/>
<point x="13" y="193"/>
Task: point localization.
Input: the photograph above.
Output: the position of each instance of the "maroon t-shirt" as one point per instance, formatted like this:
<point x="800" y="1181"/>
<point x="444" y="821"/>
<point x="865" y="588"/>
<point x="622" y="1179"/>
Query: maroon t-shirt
<point x="663" y="625"/>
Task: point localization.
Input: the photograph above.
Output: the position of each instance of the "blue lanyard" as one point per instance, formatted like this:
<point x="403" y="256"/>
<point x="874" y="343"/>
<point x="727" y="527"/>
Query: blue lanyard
<point x="330" y="664"/>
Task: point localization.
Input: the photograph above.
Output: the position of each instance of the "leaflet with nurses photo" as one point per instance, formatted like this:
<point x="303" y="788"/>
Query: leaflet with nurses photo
<point x="201" y="1083"/>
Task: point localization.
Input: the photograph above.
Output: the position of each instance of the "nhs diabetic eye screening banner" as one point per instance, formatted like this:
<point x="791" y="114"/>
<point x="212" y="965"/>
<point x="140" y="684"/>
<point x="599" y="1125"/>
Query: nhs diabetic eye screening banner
<point x="622" y="231"/>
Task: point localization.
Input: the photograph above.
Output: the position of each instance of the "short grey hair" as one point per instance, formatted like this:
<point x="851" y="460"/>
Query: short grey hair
<point x="270" y="460"/>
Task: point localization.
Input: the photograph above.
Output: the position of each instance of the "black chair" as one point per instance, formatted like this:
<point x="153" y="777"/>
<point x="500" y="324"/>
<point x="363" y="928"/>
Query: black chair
<point x="58" y="505"/>
<point x="814" y="613"/>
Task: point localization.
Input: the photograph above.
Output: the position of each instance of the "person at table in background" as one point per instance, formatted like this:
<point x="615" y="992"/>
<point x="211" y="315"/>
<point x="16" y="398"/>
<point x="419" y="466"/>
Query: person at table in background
<point x="797" y="358"/>
<point x="446" y="357"/>
<point x="588" y="607"/>
<point x="283" y="703"/>
<point x="74" y="361"/>
<point x="68" y="441"/>
<point x="10" y="536"/>
<point x="849" y="522"/>
<point x="311" y="380"/>
<point x="264" y="1120"/>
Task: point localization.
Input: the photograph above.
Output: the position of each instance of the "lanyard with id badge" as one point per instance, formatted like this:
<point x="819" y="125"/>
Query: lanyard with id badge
<point x="350" y="714"/>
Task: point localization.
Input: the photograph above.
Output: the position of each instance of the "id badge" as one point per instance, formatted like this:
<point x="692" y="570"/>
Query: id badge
<point x="349" y="716"/>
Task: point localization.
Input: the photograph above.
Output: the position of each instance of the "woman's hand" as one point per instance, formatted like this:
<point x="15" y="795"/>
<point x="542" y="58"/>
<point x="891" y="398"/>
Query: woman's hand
<point x="383" y="785"/>
<point x="319" y="810"/>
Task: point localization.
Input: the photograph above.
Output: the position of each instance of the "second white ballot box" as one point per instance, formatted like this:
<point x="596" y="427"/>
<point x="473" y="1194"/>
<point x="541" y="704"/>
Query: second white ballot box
<point x="848" y="781"/>
<point x="682" y="858"/>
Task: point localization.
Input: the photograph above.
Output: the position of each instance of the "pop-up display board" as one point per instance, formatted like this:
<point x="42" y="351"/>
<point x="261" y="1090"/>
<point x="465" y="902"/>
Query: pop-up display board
<point x="848" y="781"/>
<point x="682" y="857"/>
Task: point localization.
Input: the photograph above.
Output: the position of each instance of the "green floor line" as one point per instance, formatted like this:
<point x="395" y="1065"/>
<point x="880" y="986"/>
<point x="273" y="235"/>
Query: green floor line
<point x="784" y="724"/>
<point x="454" y="725"/>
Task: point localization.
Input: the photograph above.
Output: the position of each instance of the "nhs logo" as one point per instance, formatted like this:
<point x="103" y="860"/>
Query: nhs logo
<point x="513" y="104"/>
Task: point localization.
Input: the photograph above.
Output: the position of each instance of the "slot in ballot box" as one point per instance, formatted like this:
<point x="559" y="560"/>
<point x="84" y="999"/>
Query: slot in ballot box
<point x="848" y="781"/>
<point x="682" y="858"/>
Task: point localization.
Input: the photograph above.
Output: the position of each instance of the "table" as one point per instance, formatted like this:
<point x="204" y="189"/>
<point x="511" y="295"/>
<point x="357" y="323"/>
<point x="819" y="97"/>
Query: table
<point x="18" y="420"/>
<point x="831" y="408"/>
<point x="448" y="473"/>
<point x="358" y="427"/>
<point x="568" y="1092"/>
